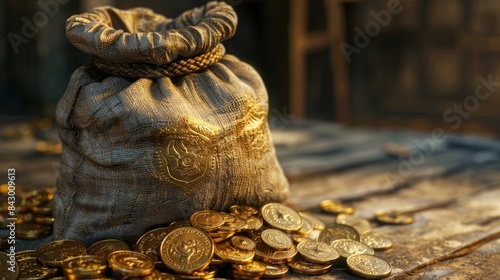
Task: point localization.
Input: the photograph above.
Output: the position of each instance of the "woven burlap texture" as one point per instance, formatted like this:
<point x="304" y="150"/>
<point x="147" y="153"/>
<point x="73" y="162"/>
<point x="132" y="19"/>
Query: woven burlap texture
<point x="139" y="153"/>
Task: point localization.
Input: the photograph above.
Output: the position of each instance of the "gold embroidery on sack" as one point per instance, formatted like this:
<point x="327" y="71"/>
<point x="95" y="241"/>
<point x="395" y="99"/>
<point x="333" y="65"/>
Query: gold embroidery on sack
<point x="184" y="153"/>
<point x="253" y="132"/>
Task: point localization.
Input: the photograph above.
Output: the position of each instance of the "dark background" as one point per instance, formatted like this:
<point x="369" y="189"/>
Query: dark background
<point x="426" y="60"/>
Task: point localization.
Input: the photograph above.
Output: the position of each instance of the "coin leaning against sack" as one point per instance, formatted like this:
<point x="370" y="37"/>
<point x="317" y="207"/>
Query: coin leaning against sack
<point x="213" y="244"/>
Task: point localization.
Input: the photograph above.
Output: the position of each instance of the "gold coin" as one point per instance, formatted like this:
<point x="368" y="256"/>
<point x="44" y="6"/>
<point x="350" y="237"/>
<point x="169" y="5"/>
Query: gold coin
<point x="228" y="218"/>
<point x="130" y="263"/>
<point x="238" y="225"/>
<point x="253" y="223"/>
<point x="178" y="224"/>
<point x="269" y="255"/>
<point x="306" y="227"/>
<point x="217" y="262"/>
<point x="85" y="267"/>
<point x="242" y="242"/>
<point x="30" y="269"/>
<point x="276" y="239"/>
<point x="226" y="252"/>
<point x="207" y="220"/>
<point x="26" y="254"/>
<point x="243" y="210"/>
<point x="317" y="252"/>
<point x="300" y="238"/>
<point x="336" y="207"/>
<point x="9" y="268"/>
<point x="369" y="266"/>
<point x="207" y="273"/>
<point x="308" y="268"/>
<point x="361" y="225"/>
<point x="348" y="247"/>
<point x="253" y="268"/>
<point x="150" y="242"/>
<point x="376" y="242"/>
<point x="275" y="271"/>
<point x="31" y="230"/>
<point x="56" y="252"/>
<point x="394" y="217"/>
<point x="221" y="236"/>
<point x="338" y="231"/>
<point x="315" y="222"/>
<point x="281" y="217"/>
<point x="105" y="247"/>
<point x="186" y="250"/>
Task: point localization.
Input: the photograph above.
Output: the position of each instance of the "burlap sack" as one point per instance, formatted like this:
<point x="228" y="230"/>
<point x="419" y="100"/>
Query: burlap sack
<point x="160" y="125"/>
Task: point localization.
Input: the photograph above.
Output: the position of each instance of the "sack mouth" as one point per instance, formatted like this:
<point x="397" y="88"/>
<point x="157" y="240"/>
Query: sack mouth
<point x="141" y="36"/>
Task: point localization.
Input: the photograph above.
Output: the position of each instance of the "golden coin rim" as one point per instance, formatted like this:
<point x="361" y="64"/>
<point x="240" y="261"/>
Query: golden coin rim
<point x="289" y="227"/>
<point x="265" y="234"/>
<point x="366" y="274"/>
<point x="124" y="270"/>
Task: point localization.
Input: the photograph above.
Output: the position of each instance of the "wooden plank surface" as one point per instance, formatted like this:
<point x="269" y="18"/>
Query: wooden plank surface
<point x="455" y="191"/>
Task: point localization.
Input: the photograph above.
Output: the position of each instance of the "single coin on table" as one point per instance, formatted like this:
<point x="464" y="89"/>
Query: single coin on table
<point x="369" y="266"/>
<point x="394" y="217"/>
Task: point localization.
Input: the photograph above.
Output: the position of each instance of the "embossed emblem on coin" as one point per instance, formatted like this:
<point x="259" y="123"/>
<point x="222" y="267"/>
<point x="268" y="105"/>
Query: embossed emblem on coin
<point x="228" y="253"/>
<point x="186" y="250"/>
<point x="184" y="153"/>
<point x="207" y="219"/>
<point x="348" y="247"/>
<point x="376" y="242"/>
<point x="269" y="255"/>
<point x="130" y="263"/>
<point x="55" y="252"/>
<point x="276" y="239"/>
<point x="85" y="267"/>
<point x="317" y="252"/>
<point x="242" y="242"/>
<point x="275" y="271"/>
<point x="150" y="242"/>
<point x="281" y="217"/>
<point x="369" y="266"/>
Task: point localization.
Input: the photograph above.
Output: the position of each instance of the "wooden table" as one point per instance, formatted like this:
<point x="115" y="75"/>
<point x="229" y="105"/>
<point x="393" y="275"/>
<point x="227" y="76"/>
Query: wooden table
<point x="454" y="187"/>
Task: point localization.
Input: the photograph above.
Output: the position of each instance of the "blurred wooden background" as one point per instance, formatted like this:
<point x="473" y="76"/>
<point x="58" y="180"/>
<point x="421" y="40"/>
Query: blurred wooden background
<point x="425" y="61"/>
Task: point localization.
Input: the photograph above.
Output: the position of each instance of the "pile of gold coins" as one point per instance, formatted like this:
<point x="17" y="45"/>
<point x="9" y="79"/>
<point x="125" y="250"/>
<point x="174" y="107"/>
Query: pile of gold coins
<point x="32" y="213"/>
<point x="246" y="243"/>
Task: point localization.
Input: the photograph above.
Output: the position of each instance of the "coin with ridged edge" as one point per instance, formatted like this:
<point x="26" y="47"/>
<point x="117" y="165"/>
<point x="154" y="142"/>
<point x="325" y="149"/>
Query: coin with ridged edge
<point x="56" y="252"/>
<point x="317" y="252"/>
<point x="281" y="217"/>
<point x="186" y="250"/>
<point x="83" y="267"/>
<point x="254" y="223"/>
<point x="276" y="239"/>
<point x="105" y="247"/>
<point x="130" y="263"/>
<point x="338" y="231"/>
<point x="226" y="252"/>
<point x="150" y="242"/>
<point x="207" y="220"/>
<point x="308" y="268"/>
<point x="369" y="266"/>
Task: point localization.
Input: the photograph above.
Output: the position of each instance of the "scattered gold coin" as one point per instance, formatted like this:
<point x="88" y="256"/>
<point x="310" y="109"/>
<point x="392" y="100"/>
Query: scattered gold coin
<point x="394" y="217"/>
<point x="348" y="247"/>
<point x="376" y="242"/>
<point x="243" y="210"/>
<point x="226" y="252"/>
<point x="275" y="271"/>
<point x="369" y="266"/>
<point x="85" y="267"/>
<point x="207" y="220"/>
<point x="336" y="207"/>
<point x="150" y="242"/>
<point x="242" y="242"/>
<point x="315" y="222"/>
<point x="269" y="255"/>
<point x="105" y="247"/>
<point x="308" y="268"/>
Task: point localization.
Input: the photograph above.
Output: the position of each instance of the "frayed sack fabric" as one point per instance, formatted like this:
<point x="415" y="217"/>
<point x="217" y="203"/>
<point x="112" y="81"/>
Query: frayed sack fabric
<point x="161" y="124"/>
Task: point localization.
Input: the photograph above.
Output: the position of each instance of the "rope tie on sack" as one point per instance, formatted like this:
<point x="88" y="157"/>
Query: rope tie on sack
<point x="179" y="67"/>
